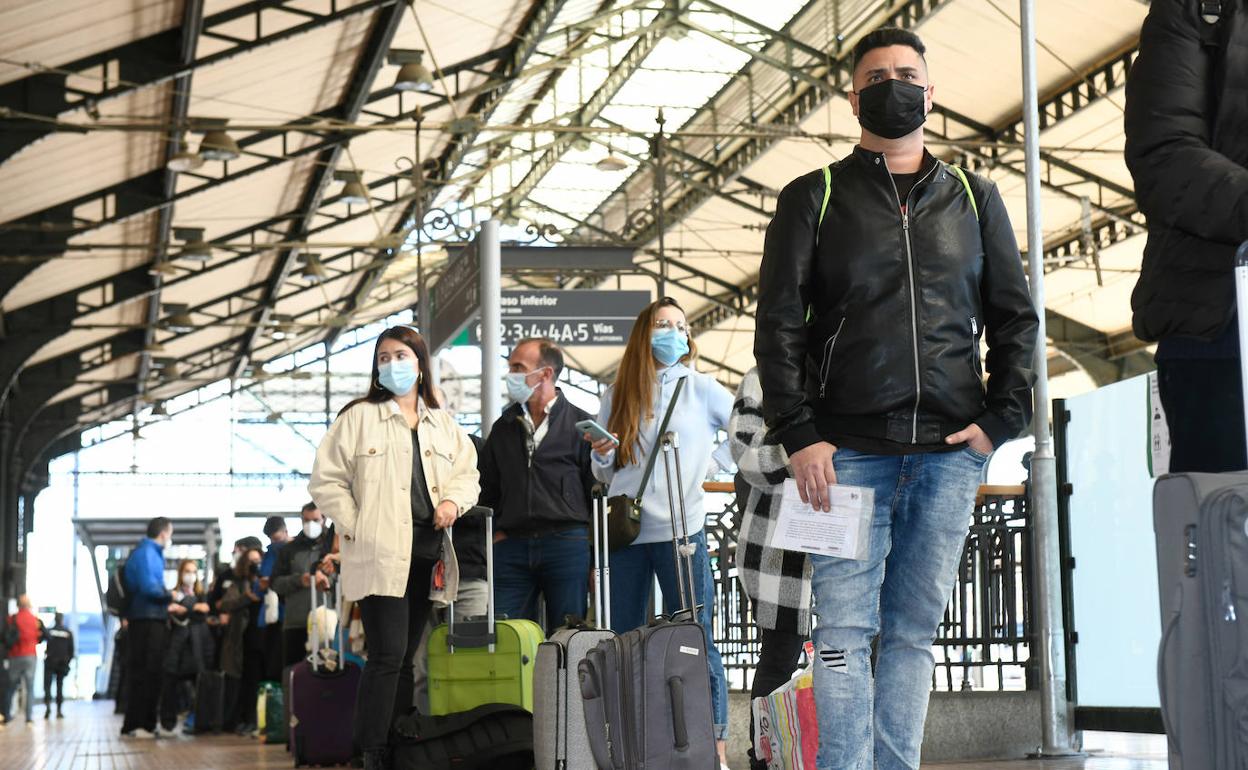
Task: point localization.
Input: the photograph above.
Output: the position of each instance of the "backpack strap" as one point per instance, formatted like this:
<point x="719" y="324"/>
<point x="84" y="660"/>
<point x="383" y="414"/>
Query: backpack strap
<point x="966" y="185"/>
<point x="827" y="196"/>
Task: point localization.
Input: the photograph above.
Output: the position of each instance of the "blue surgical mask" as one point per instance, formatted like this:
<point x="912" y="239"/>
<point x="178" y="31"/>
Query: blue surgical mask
<point x="669" y="346"/>
<point x="398" y="377"/>
<point x="518" y="390"/>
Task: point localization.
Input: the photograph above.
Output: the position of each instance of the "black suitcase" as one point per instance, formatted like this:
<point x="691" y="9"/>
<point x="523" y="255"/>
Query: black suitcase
<point x="209" y="701"/>
<point x="647" y="692"/>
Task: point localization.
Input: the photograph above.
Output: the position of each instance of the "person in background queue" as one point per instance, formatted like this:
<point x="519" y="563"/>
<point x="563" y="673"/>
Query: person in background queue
<point x="658" y="356"/>
<point x="147" y="629"/>
<point x="391" y="473"/>
<point x="296" y="569"/>
<point x="191" y="648"/>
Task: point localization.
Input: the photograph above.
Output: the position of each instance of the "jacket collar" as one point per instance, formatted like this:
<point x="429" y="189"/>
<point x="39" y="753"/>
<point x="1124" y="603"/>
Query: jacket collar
<point x="870" y="158"/>
<point x="421" y="410"/>
<point x="673" y="373"/>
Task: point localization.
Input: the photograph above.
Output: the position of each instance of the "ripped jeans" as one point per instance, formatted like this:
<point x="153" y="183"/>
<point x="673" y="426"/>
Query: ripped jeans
<point x="923" y="505"/>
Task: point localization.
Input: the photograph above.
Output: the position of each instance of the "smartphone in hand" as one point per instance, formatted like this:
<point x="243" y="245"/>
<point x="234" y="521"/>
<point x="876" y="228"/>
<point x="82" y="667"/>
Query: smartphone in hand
<point x="596" y="431"/>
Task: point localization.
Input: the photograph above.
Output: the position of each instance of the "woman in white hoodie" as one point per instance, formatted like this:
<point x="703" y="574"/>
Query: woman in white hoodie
<point x="393" y="470"/>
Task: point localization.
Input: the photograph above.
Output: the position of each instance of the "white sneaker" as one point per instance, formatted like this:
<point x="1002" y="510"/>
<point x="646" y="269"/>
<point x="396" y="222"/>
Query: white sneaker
<point x="143" y="734"/>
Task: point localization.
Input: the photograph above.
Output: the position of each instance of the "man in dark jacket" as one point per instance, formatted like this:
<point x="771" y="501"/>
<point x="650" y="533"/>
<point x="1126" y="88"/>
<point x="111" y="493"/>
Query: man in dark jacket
<point x="297" y="567"/>
<point x="1187" y="149"/>
<point x="879" y="276"/>
<point x="274" y="657"/>
<point x="535" y="474"/>
<point x="147" y="629"/>
<point x="57" y="656"/>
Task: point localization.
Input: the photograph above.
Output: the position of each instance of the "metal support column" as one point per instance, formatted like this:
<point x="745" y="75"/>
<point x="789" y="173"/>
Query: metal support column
<point x="490" y="254"/>
<point x="73" y="581"/>
<point x="1050" y="646"/>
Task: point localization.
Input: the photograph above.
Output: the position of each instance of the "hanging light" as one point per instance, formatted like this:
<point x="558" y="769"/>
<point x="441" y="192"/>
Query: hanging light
<point x="163" y="268"/>
<point x="168" y="367"/>
<point x="273" y="416"/>
<point x="153" y="347"/>
<point x="611" y="162"/>
<point x="195" y="248"/>
<point x="179" y="320"/>
<point x="184" y="159"/>
<point x="159" y="411"/>
<point x="217" y="144"/>
<point x="312" y="271"/>
<point x="281" y="327"/>
<point x="413" y="74"/>
<point x="354" y="192"/>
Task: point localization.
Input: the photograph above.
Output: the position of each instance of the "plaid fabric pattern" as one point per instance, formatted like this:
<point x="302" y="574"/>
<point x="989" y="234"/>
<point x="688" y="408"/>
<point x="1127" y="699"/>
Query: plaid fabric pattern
<point x="777" y="580"/>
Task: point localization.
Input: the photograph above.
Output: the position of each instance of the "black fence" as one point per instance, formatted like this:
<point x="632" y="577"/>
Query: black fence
<point x="984" y="641"/>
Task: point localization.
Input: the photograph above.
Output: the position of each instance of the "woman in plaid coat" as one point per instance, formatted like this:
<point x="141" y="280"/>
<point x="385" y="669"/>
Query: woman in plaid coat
<point x="777" y="581"/>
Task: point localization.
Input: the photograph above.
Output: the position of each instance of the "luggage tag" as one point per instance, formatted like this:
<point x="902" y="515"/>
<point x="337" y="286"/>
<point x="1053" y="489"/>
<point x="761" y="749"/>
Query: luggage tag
<point x="843" y="533"/>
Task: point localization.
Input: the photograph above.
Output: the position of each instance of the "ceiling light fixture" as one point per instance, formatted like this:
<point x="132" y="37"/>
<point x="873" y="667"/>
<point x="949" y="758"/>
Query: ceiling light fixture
<point x="313" y="271"/>
<point x="611" y="162"/>
<point x="163" y="268"/>
<point x="281" y="327"/>
<point x="184" y="159"/>
<point x="168" y="367"/>
<point x="153" y="347"/>
<point x="195" y="248"/>
<point x="354" y="193"/>
<point x="217" y="143"/>
<point x="413" y="74"/>
<point x="179" y="320"/>
<point x="159" y="411"/>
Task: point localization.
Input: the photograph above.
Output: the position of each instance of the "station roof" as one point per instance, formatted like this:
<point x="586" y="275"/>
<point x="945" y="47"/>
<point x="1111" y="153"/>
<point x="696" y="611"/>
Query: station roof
<point x="109" y="303"/>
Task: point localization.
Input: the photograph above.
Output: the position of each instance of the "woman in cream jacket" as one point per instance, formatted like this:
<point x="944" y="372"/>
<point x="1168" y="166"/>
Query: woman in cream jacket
<point x="392" y="471"/>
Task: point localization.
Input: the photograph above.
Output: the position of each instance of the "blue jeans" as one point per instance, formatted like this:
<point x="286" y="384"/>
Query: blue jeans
<point x="633" y="570"/>
<point x="555" y="566"/>
<point x="923" y="505"/>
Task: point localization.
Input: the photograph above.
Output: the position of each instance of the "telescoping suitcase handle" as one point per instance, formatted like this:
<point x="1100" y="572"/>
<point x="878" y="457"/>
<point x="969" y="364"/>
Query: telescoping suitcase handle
<point x="472" y="633"/>
<point x="602" y="559"/>
<point x="682" y="549"/>
<point x="1241" y="301"/>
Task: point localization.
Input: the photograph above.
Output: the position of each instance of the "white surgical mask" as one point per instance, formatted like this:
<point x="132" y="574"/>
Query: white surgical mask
<point x="188" y="580"/>
<point x="312" y="529"/>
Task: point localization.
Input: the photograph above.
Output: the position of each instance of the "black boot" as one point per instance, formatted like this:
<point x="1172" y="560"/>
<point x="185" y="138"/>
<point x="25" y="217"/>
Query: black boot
<point x="47" y="714"/>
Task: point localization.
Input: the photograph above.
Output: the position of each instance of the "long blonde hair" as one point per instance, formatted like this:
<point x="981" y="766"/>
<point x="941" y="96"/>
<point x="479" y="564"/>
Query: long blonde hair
<point x="632" y="393"/>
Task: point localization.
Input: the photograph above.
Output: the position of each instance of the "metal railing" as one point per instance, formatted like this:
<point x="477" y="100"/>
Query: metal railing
<point x="984" y="641"/>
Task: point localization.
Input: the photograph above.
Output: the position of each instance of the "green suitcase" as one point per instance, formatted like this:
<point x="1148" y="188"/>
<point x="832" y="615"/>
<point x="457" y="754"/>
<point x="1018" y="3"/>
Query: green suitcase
<point x="271" y="713"/>
<point x="478" y="662"/>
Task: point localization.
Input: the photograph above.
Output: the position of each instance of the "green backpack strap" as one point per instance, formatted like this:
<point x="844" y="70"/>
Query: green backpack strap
<point x="966" y="184"/>
<point x="823" y="211"/>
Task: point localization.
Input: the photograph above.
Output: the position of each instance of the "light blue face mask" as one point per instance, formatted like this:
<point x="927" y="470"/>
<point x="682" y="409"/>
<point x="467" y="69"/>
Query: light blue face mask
<point x="398" y="377"/>
<point x="518" y="390"/>
<point x="669" y="346"/>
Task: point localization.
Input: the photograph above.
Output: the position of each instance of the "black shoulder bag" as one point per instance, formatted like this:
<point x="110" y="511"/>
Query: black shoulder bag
<point x="624" y="512"/>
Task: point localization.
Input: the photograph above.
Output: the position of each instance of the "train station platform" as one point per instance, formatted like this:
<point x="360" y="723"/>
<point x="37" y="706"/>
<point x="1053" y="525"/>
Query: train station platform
<point x="88" y="739"/>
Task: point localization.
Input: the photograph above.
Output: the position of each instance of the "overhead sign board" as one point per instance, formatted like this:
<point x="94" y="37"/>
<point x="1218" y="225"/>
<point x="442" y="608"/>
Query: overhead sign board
<point x="455" y="300"/>
<point x="568" y="316"/>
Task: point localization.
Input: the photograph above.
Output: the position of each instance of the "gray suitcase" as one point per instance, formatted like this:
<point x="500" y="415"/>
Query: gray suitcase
<point x="1201" y="523"/>
<point x="647" y="692"/>
<point x="559" y="737"/>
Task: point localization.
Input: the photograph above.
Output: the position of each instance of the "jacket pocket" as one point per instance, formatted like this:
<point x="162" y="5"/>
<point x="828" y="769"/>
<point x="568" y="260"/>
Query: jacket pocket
<point x="825" y="367"/>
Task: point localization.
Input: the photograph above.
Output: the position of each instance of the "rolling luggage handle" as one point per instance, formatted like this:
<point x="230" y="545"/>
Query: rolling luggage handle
<point x="1241" y="297"/>
<point x="682" y="549"/>
<point x="316" y="637"/>
<point x="602" y="559"/>
<point x="472" y="633"/>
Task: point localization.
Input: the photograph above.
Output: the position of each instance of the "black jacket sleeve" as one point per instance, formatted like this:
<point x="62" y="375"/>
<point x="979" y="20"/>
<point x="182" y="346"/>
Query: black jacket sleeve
<point x="1180" y="180"/>
<point x="1010" y="325"/>
<point x="487" y="463"/>
<point x="780" y="337"/>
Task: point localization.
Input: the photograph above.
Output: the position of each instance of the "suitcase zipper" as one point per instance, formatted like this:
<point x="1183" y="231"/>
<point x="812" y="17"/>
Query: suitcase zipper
<point x="826" y="368"/>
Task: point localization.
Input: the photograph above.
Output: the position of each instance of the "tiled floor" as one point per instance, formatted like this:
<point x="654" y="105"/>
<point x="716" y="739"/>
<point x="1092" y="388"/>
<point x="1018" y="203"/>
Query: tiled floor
<point x="87" y="740"/>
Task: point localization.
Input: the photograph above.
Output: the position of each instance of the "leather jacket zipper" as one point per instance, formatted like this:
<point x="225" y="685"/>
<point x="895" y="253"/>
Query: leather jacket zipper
<point x="826" y="368"/>
<point x="975" y="362"/>
<point x="914" y="301"/>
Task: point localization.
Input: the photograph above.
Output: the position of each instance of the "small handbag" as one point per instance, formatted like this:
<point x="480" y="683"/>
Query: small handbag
<point x="623" y="511"/>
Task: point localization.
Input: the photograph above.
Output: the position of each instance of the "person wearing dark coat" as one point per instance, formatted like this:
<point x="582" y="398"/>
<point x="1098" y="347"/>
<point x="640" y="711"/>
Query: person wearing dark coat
<point x="1187" y="149"/>
<point x="190" y="649"/>
<point x="56" y="659"/>
<point x="241" y="655"/>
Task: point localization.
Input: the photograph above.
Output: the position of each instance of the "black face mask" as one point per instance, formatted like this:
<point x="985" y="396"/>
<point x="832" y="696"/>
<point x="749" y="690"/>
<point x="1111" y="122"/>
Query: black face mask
<point x="891" y="109"/>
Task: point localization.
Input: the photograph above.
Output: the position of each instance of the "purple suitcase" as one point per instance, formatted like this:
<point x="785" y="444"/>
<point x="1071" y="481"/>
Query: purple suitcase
<point x="322" y="710"/>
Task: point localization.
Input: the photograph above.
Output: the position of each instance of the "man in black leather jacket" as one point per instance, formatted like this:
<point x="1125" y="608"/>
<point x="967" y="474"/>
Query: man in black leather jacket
<point x="879" y="278"/>
<point x="1187" y="149"/>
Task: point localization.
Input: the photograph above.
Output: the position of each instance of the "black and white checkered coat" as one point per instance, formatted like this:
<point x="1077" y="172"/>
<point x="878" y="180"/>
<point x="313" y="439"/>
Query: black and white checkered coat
<point x="777" y="580"/>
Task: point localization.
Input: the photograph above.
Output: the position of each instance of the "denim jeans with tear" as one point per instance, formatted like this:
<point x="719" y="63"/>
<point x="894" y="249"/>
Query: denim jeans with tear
<point x="923" y="505"/>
